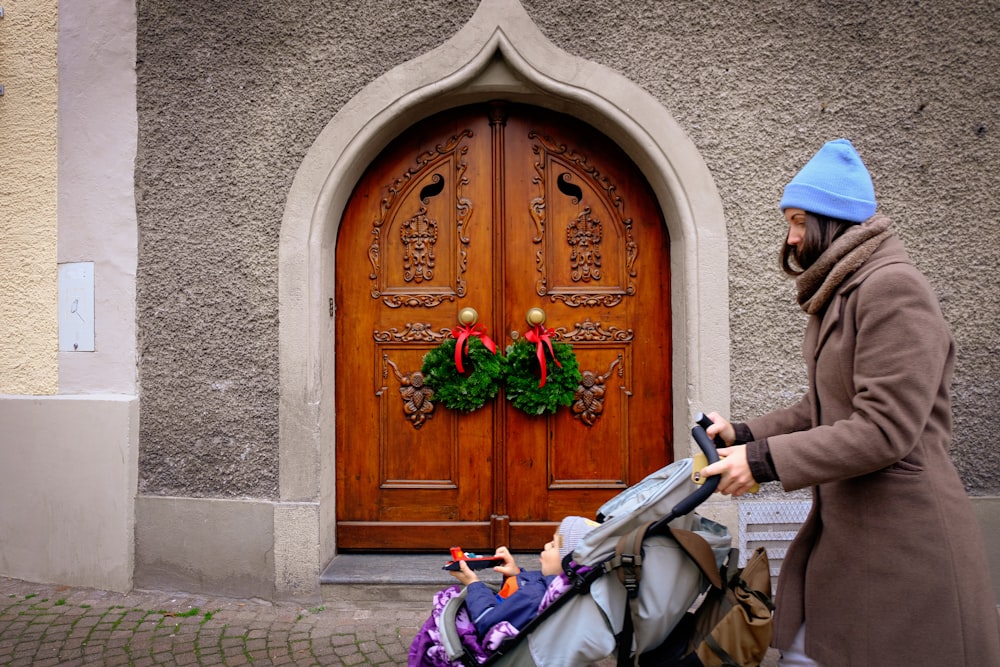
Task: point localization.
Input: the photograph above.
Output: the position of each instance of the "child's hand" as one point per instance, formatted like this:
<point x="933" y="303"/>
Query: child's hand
<point x="464" y="575"/>
<point x="509" y="568"/>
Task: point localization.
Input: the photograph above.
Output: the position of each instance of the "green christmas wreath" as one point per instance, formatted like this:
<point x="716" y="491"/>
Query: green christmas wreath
<point x="463" y="391"/>
<point x="524" y="377"/>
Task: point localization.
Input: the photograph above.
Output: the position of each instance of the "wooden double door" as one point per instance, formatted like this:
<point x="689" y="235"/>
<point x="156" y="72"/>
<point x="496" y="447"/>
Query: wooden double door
<point x="501" y="208"/>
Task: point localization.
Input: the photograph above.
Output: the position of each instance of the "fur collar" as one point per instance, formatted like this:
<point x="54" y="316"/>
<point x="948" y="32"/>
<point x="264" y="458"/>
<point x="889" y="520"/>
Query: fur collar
<point x="841" y="259"/>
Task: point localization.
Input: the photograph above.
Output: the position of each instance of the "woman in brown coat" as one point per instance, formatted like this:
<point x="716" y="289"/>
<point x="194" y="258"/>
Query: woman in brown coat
<point x="890" y="567"/>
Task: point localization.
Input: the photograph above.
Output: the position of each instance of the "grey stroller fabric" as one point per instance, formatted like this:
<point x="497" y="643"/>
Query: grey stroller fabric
<point x="583" y="629"/>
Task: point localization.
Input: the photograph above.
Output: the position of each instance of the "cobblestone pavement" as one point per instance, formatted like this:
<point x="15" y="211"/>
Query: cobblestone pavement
<point x="45" y="625"/>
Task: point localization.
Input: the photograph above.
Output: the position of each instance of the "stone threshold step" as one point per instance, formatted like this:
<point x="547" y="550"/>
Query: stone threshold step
<point x="386" y="568"/>
<point x="402" y="581"/>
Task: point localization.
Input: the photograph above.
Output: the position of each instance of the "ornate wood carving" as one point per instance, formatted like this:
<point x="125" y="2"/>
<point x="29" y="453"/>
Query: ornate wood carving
<point x="584" y="230"/>
<point x="412" y="331"/>
<point x="420" y="231"/>
<point x="584" y="236"/>
<point x="588" y="403"/>
<point x="589" y="330"/>
<point x="416" y="300"/>
<point x="419" y="235"/>
<point x="418" y="399"/>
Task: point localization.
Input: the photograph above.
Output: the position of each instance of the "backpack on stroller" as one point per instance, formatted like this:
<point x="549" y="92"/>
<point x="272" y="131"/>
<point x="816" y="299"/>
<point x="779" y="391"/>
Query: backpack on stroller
<point x="627" y="588"/>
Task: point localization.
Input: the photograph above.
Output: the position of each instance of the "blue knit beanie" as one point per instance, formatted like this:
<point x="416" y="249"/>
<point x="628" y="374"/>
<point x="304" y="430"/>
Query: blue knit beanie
<point x="833" y="183"/>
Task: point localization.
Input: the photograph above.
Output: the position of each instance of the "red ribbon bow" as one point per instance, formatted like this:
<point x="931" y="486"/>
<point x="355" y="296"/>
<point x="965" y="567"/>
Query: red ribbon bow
<point x="541" y="337"/>
<point x="463" y="333"/>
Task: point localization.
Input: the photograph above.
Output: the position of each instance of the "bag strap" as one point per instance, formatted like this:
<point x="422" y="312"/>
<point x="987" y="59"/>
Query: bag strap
<point x="627" y="561"/>
<point x="698" y="550"/>
<point x="627" y="564"/>
<point x="721" y="653"/>
<point x="625" y="639"/>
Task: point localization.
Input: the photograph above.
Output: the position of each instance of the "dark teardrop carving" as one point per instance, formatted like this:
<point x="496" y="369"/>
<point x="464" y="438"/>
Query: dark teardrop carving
<point x="432" y="190"/>
<point x="571" y="190"/>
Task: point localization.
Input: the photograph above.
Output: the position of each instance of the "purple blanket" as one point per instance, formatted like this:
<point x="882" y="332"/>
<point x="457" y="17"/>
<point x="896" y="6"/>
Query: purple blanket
<point x="427" y="651"/>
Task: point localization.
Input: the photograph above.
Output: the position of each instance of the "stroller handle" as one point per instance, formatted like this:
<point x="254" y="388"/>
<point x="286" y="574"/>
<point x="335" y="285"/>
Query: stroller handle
<point x="708" y="488"/>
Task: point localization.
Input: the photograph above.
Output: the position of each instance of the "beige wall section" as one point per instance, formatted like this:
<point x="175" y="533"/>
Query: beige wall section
<point x="67" y="482"/>
<point x="28" y="327"/>
<point x="68" y="463"/>
<point x="97" y="215"/>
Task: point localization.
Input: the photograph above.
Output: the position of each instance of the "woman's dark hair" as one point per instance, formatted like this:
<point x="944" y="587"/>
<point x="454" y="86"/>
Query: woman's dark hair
<point x="821" y="231"/>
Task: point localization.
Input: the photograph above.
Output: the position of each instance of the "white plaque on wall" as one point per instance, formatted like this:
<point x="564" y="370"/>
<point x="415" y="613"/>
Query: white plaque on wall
<point x="76" y="307"/>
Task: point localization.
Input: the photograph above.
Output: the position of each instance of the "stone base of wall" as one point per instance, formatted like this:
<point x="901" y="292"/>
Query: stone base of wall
<point x="239" y="548"/>
<point x="68" y="475"/>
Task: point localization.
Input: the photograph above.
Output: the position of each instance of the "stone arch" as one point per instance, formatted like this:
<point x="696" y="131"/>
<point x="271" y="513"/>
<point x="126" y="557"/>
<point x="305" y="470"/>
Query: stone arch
<point x="499" y="53"/>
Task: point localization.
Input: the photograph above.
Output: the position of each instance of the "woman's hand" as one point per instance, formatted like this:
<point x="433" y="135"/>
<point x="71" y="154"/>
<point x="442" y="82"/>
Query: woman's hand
<point x="734" y="469"/>
<point x="721" y="427"/>
<point x="464" y="575"/>
<point x="509" y="568"/>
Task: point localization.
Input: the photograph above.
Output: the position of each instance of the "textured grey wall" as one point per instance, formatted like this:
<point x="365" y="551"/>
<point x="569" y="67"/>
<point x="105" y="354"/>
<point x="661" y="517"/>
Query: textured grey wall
<point x="232" y="94"/>
<point x="760" y="86"/>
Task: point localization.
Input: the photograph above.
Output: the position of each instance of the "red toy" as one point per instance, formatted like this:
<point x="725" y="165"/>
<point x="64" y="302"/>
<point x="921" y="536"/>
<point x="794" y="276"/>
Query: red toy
<point x="472" y="560"/>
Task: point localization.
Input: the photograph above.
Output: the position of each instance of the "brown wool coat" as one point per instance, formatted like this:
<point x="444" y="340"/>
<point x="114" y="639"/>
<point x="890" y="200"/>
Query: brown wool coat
<point x="889" y="567"/>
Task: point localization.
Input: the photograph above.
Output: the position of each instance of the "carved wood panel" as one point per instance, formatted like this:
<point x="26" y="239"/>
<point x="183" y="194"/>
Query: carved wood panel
<point x="503" y="208"/>
<point x="425" y="262"/>
<point x="593" y="262"/>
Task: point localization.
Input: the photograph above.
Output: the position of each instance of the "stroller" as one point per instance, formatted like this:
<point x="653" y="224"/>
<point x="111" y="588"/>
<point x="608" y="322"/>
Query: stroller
<point x="629" y="587"/>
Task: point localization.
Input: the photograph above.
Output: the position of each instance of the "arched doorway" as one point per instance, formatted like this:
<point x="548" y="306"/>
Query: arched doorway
<point x="500" y="207"/>
<point x="499" y="53"/>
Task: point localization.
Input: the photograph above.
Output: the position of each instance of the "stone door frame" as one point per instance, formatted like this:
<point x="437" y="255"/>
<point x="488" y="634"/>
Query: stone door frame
<point x="500" y="53"/>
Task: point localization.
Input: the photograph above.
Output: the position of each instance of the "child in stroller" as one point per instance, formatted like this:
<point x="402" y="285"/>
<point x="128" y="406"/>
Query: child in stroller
<point x="523" y="590"/>
<point x="622" y="590"/>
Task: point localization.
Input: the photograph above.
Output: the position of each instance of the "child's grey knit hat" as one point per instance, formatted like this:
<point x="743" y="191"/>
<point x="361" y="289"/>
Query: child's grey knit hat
<point x="573" y="529"/>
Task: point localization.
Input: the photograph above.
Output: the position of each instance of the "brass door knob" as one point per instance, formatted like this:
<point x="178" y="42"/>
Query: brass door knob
<point x="468" y="316"/>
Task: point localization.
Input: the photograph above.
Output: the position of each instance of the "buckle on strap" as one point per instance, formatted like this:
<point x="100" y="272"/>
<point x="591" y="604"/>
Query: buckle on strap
<point x="627" y="561"/>
<point x="629" y="570"/>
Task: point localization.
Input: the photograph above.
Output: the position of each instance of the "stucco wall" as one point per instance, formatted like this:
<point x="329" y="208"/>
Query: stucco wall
<point x="760" y="86"/>
<point x="28" y="327"/>
<point x="230" y="98"/>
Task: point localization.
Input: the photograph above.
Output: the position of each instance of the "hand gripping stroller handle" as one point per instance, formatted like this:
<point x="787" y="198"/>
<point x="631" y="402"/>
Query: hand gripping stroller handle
<point x="708" y="488"/>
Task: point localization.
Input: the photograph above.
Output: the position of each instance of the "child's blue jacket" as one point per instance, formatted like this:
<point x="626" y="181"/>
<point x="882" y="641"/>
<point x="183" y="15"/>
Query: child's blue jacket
<point x="487" y="608"/>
